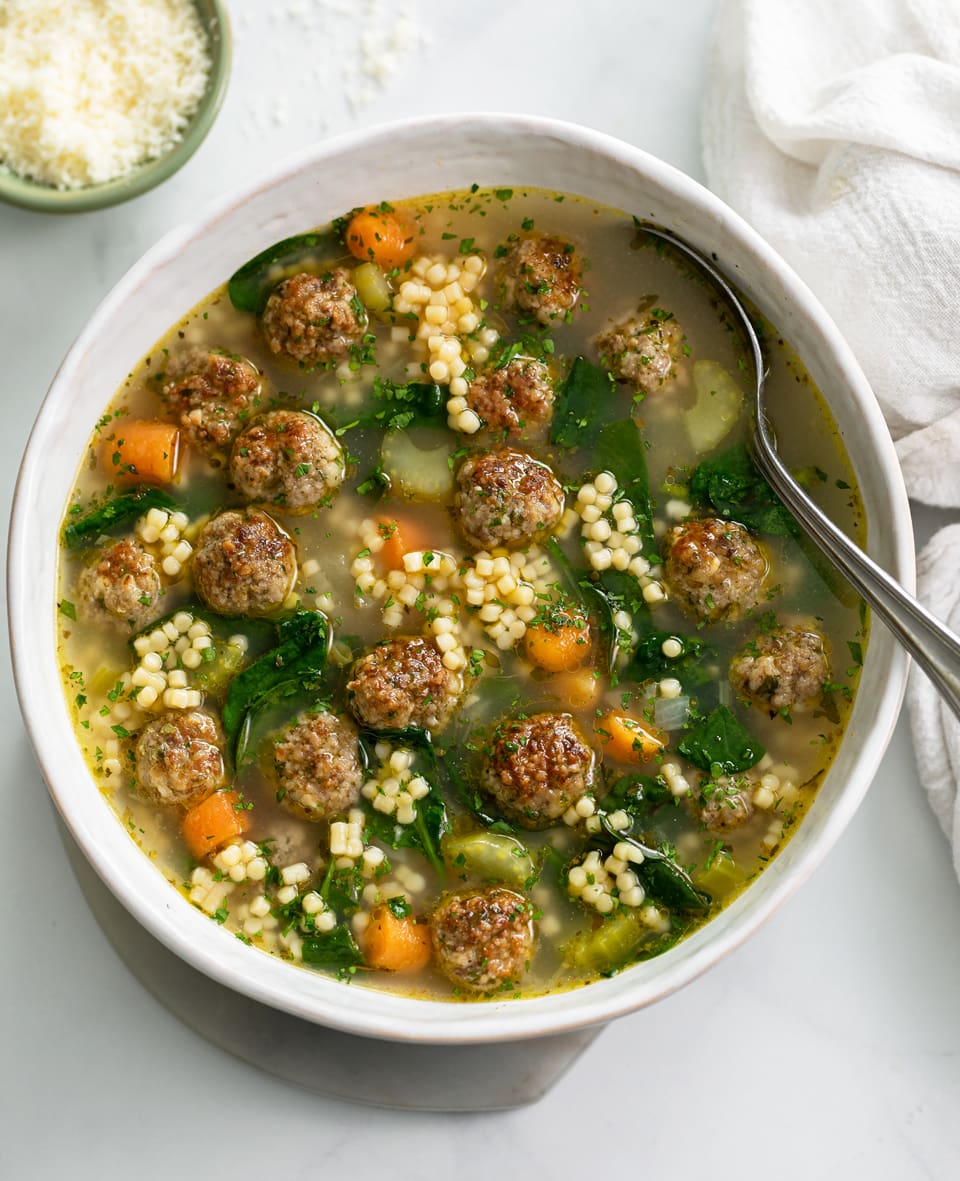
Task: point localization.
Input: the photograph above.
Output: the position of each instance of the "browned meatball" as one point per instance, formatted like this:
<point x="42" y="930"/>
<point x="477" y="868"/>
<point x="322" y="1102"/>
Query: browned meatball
<point x="244" y="563"/>
<point x="314" y="318"/>
<point x="122" y="586"/>
<point x="538" y="767"/>
<point x="643" y="349"/>
<point x="288" y="458"/>
<point x="725" y="803"/>
<point x="782" y="668"/>
<point x="714" y="568"/>
<point x="506" y="497"/>
<point x="316" y="762"/>
<point x="483" y="940"/>
<point x="403" y="682"/>
<point x="210" y="394"/>
<point x="179" y="758"/>
<point x="541" y="276"/>
<point x="518" y="395"/>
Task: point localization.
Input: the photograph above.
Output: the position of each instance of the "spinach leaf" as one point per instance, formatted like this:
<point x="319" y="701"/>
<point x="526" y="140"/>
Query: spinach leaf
<point x="342" y="888"/>
<point x="622" y="450"/>
<point x="118" y="510"/>
<point x="663" y="879"/>
<point x="400" y="406"/>
<point x="431" y="821"/>
<point x="527" y="345"/>
<point x="623" y="590"/>
<point x="730" y="484"/>
<point x="601" y="609"/>
<point x="670" y="884"/>
<point x="250" y="286"/>
<point x="334" y="949"/>
<point x="583" y="402"/>
<point x="648" y="661"/>
<point x="720" y="745"/>
<point x="297" y="663"/>
<point x="423" y="835"/>
<point x="637" y="795"/>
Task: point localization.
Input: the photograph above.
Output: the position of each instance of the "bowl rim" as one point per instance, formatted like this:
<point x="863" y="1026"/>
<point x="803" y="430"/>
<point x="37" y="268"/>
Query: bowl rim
<point x="42" y="198"/>
<point x="168" y="916"/>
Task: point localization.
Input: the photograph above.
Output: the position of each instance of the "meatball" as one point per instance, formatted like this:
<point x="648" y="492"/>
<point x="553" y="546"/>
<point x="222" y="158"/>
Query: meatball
<point x="537" y="768"/>
<point x="642" y="349"/>
<point x="210" y="394"/>
<point x="289" y="458"/>
<point x="517" y="396"/>
<point x="179" y="758"/>
<point x="403" y="682"/>
<point x="781" y="668"/>
<point x="506" y="497"/>
<point x="714" y="568"/>
<point x="483" y="940"/>
<point x="244" y="563"/>
<point x="541" y="276"/>
<point x="316" y="763"/>
<point x="725" y="803"/>
<point x="122" y="586"/>
<point x="314" y="318"/>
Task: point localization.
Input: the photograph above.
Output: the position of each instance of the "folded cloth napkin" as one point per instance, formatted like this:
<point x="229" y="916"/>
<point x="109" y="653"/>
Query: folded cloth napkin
<point x="834" y="129"/>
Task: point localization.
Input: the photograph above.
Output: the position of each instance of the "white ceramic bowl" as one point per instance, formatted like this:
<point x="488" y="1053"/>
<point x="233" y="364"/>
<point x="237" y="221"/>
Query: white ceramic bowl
<point x="407" y="159"/>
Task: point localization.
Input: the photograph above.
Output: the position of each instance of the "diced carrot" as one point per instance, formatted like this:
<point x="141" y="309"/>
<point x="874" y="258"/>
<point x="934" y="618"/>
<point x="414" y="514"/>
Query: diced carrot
<point x="395" y="945"/>
<point x="142" y="450"/>
<point x="560" y="642"/>
<point x="628" y="739"/>
<point x="579" y="689"/>
<point x="214" y="821"/>
<point x="399" y="538"/>
<point x="381" y="236"/>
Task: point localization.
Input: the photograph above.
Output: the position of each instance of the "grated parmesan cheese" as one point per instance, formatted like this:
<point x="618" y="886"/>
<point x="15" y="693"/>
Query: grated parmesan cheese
<point x="91" y="89"/>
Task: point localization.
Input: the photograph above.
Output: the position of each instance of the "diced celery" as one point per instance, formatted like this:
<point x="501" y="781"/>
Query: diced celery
<point x="718" y="406"/>
<point x="612" y="945"/>
<point x="491" y="856"/>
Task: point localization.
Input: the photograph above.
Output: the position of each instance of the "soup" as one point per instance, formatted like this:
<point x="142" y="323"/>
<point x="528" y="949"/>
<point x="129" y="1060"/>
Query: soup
<point x="424" y="617"/>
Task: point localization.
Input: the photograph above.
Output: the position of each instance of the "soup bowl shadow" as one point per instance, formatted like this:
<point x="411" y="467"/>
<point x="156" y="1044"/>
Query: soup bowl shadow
<point x="403" y="160"/>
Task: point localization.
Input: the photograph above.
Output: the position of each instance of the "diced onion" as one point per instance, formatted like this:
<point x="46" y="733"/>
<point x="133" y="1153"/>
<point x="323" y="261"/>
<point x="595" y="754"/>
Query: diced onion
<point x="670" y="713"/>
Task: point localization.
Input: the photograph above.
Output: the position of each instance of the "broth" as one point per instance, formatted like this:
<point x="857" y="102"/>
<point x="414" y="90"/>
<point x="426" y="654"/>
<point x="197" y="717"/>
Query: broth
<point x="589" y="785"/>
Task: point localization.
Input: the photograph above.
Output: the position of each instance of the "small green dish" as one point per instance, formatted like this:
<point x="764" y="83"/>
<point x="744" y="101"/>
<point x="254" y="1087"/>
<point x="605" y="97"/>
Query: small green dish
<point x="28" y="194"/>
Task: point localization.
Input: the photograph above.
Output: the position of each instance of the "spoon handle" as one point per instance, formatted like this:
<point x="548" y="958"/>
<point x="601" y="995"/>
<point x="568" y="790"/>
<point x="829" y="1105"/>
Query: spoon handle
<point x="934" y="647"/>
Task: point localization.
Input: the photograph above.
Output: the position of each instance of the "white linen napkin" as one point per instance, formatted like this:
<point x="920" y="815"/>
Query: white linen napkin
<point x="834" y="129"/>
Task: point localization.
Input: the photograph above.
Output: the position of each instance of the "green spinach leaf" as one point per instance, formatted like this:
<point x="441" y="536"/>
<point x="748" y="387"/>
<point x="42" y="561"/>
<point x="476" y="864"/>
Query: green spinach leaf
<point x="622" y="450"/>
<point x="334" y="949"/>
<point x="250" y="285"/>
<point x="730" y="484"/>
<point x="720" y="745"/>
<point x="110" y="514"/>
<point x="297" y="663"/>
<point x="584" y="402"/>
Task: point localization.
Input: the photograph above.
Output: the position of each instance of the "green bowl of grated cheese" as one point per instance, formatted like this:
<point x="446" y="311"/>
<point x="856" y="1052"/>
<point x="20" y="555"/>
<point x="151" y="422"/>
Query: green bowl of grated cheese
<point x="100" y="103"/>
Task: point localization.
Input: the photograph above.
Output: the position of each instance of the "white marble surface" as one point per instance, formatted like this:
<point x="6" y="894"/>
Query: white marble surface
<point x="828" y="1046"/>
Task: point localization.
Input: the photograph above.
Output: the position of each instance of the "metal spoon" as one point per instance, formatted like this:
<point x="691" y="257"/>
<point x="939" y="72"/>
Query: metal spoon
<point x="934" y="647"/>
